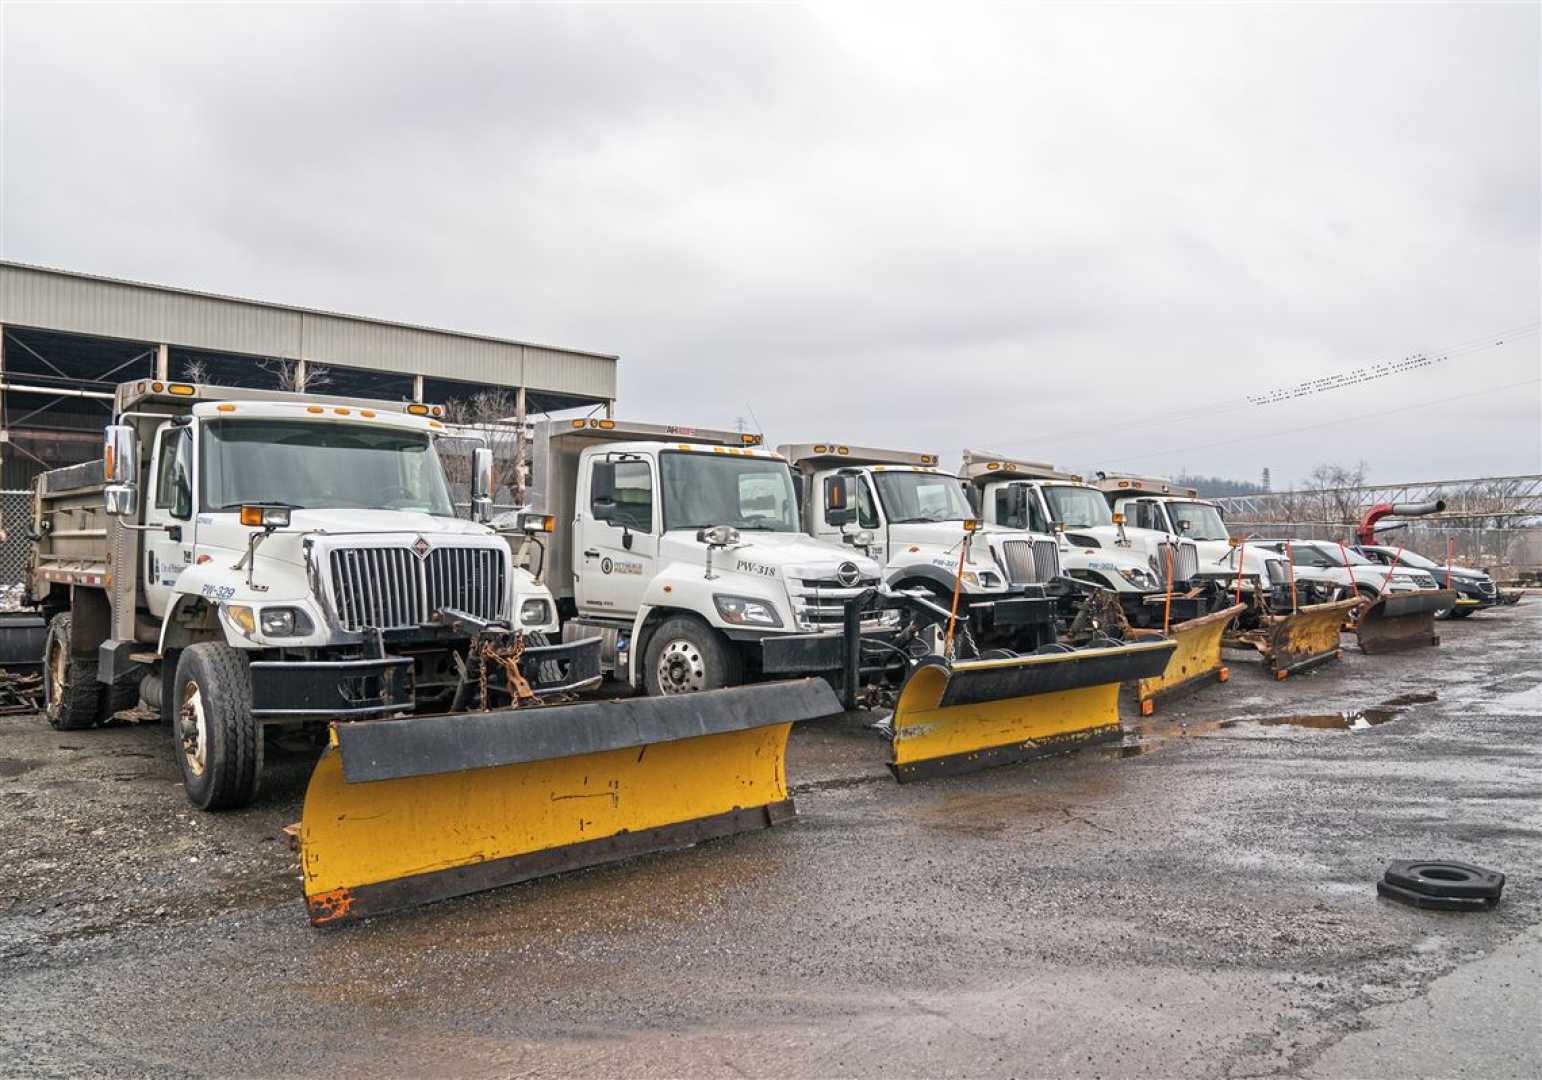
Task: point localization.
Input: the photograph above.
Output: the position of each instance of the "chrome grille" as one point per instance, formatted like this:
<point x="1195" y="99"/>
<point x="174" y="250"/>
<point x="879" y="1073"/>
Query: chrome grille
<point x="1185" y="557"/>
<point x="1030" y="562"/>
<point x="821" y="603"/>
<point x="1046" y="560"/>
<point x="468" y="579"/>
<point x="390" y="588"/>
<point x="1018" y="556"/>
<point x="377" y="587"/>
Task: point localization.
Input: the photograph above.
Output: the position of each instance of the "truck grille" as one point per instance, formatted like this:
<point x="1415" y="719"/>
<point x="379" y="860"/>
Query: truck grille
<point x="820" y="604"/>
<point x="1031" y="562"/>
<point x="1185" y="560"/>
<point x="390" y="588"/>
<point x="1487" y="588"/>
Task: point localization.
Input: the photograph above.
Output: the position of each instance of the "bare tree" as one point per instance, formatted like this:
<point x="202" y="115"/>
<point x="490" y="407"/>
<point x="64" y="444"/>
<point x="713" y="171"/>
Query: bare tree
<point x="195" y="371"/>
<point x="489" y="415"/>
<point x="296" y="378"/>
<point x="1331" y="492"/>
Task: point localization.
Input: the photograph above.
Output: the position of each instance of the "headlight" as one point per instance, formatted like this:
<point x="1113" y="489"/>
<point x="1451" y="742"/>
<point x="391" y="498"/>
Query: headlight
<point x="1139" y="578"/>
<point x="241" y="618"/>
<point x="744" y="611"/>
<point x="989" y="580"/>
<point x="534" y="612"/>
<point x="285" y="622"/>
<point x="971" y="578"/>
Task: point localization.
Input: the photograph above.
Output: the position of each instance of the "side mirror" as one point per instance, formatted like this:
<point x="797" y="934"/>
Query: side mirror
<point x="602" y="491"/>
<point x="1183" y="526"/>
<point x="120" y="469"/>
<point x="838" y="511"/>
<point x="481" y="484"/>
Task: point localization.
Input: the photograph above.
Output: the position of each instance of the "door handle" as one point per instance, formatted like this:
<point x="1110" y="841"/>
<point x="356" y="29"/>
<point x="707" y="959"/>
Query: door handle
<point x="592" y="553"/>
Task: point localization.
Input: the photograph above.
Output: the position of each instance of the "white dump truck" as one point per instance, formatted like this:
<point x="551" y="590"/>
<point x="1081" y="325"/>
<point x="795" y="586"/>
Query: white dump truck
<point x="242" y="558"/>
<point x="909" y="514"/>
<point x="680" y="548"/>
<point x="1095" y="547"/>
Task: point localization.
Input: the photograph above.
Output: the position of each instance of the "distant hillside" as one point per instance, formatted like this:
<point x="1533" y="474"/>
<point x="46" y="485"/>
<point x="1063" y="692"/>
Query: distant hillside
<point x="1219" y="487"/>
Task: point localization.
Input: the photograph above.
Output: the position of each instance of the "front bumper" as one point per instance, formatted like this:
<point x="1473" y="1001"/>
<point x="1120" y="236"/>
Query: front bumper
<point x="385" y="685"/>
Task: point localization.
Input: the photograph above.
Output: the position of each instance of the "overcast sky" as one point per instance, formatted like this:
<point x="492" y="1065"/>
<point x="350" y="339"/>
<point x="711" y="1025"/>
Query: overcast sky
<point x="1037" y="231"/>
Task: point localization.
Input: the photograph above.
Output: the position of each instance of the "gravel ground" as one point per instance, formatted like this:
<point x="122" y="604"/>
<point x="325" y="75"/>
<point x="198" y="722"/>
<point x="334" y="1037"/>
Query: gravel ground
<point x="1197" y="902"/>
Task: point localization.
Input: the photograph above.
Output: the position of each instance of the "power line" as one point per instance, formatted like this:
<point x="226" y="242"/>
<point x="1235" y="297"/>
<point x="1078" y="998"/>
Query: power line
<point x="1232" y="404"/>
<point x="1334" y="423"/>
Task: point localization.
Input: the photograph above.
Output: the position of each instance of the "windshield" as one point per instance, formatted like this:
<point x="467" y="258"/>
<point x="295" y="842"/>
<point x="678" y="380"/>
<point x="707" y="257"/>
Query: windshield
<point x="1204" y="521"/>
<point x="1078" y="507"/>
<point x="1332" y="555"/>
<point x="311" y="465"/>
<point x="704" y="490"/>
<point x="1409" y="558"/>
<point x="909" y="497"/>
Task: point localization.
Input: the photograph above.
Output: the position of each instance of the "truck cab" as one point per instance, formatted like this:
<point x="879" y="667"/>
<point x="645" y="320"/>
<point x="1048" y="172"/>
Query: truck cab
<point x="242" y="559"/>
<point x="1158" y="507"/>
<point x="910" y="516"/>
<point x="1095" y="546"/>
<point x="681" y="548"/>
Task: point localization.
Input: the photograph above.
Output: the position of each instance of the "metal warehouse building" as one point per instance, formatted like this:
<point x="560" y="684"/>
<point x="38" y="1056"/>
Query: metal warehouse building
<point x="67" y="339"/>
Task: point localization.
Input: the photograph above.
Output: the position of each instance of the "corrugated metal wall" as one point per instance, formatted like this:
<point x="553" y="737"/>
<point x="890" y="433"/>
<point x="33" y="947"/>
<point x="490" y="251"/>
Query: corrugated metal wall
<point x="75" y="303"/>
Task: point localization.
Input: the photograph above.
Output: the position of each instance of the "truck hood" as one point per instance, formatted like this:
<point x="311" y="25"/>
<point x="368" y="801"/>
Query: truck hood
<point x="286" y="545"/>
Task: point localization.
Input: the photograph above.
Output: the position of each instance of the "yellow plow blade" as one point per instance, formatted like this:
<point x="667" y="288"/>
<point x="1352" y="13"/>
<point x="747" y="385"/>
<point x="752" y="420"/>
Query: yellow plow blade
<point x="405" y="812"/>
<point x="974" y="714"/>
<point x="1396" y="621"/>
<point x="1297" y="642"/>
<point x="1196" y="658"/>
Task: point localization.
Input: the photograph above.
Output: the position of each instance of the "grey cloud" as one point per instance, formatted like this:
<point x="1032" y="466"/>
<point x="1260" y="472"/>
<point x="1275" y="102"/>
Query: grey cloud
<point x="927" y="227"/>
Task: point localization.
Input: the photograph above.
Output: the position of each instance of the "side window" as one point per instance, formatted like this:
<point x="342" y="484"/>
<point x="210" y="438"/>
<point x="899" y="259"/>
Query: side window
<point x="634" y="496"/>
<point x="1148" y="515"/>
<point x="867" y="510"/>
<point x="174" y="487"/>
<point x="1003" y="515"/>
<point x="1036" y="520"/>
<point x="164" y="497"/>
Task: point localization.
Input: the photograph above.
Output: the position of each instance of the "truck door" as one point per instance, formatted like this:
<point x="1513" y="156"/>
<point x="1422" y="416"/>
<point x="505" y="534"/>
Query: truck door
<point x="168" y="551"/>
<point x="617" y="558"/>
<point x="1149" y="514"/>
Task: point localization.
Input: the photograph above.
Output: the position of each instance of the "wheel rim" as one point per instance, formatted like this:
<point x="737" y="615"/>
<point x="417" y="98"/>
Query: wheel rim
<point x="55" y="673"/>
<point x="193" y="730"/>
<point x="682" y="670"/>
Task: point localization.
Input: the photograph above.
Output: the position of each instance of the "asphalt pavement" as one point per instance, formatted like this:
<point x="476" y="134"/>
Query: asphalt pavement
<point x="1198" y="901"/>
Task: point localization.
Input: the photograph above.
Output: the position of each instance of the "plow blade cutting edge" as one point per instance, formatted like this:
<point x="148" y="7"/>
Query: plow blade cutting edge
<point x="405" y="812"/>
<point x="1196" y="659"/>
<point x="1395" y="621"/>
<point x="973" y="714"/>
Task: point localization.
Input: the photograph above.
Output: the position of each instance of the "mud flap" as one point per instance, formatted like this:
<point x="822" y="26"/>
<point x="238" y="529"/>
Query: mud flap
<point x="1195" y="660"/>
<point x="1396" y="621"/>
<point x="1290" y="643"/>
<point x="406" y="812"/>
<point x="973" y="714"/>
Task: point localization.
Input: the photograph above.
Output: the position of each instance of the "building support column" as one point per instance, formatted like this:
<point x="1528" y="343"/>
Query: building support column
<point x="417" y="388"/>
<point x="163" y="363"/>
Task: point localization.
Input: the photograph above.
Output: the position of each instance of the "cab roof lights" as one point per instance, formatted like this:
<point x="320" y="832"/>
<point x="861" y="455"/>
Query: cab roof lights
<point x="808" y="453"/>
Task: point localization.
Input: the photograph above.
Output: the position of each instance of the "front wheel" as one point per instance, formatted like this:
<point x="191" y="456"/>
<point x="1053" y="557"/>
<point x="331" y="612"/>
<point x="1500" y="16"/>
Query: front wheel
<point x="686" y="655"/>
<point x="218" y="742"/>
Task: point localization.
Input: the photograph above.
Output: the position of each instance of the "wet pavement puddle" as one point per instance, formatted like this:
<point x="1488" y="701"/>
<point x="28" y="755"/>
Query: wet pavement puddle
<point x="1148" y="738"/>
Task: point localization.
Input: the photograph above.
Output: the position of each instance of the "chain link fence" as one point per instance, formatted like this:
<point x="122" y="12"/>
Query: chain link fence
<point x="1506" y="553"/>
<point x="16" y="546"/>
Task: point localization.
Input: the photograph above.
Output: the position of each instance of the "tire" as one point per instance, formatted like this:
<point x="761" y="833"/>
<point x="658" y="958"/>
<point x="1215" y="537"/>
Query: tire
<point x="72" y="698"/>
<point x="550" y="672"/>
<point x="217" y="741"/>
<point x="1462" y="613"/>
<point x="686" y="655"/>
<point x="1367" y="593"/>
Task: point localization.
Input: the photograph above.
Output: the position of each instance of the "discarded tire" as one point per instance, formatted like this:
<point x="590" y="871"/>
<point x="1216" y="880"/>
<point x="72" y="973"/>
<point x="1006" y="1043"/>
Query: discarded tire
<point x="1443" y="886"/>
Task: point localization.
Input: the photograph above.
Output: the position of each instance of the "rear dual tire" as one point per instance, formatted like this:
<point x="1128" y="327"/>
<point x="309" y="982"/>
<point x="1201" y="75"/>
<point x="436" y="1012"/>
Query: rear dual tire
<point x="72" y="698"/>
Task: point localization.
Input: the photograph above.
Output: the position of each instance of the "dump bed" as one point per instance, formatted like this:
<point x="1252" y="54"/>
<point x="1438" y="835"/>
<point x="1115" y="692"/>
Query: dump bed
<point x="72" y="528"/>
